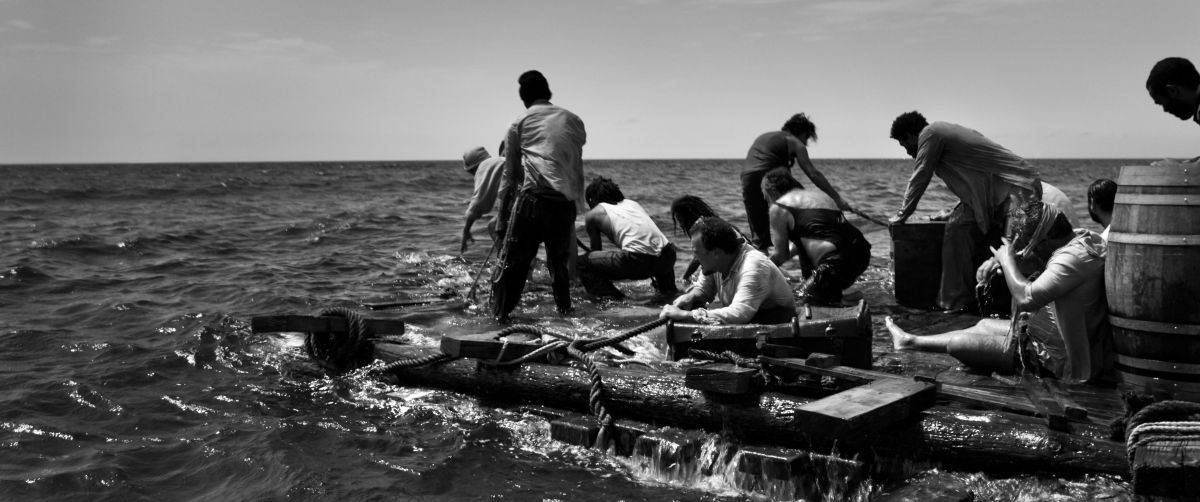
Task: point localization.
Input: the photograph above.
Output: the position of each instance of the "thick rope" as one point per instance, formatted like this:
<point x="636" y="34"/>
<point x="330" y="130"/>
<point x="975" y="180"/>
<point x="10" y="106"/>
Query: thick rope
<point x="596" y="395"/>
<point x="611" y="341"/>
<point x="1173" y="418"/>
<point x="414" y="362"/>
<point x="342" y="351"/>
<point x="727" y="356"/>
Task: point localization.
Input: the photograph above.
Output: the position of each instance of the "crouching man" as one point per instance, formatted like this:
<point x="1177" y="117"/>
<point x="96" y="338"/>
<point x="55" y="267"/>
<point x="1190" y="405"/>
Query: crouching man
<point x="644" y="252"/>
<point x="749" y="287"/>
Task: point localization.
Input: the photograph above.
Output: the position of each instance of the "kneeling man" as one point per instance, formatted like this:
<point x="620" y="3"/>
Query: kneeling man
<point x="750" y="288"/>
<point x="644" y="251"/>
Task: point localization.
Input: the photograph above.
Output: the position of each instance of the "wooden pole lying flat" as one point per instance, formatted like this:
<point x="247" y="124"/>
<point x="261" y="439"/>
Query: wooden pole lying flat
<point x="992" y="441"/>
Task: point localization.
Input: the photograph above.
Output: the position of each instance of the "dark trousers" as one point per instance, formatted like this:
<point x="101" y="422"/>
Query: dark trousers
<point x="598" y="269"/>
<point x="535" y="219"/>
<point x="837" y="270"/>
<point x="756" y="207"/>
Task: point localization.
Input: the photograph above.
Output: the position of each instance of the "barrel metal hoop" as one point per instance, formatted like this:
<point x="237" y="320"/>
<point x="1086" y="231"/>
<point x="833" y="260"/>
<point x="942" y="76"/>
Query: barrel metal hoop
<point x="1143" y="199"/>
<point x="1154" y="239"/>
<point x="1160" y="179"/>
<point x="1154" y="326"/>
<point x="1156" y="365"/>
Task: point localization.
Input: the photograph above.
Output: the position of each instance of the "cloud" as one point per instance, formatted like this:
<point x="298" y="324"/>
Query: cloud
<point x="256" y="43"/>
<point x="17" y="24"/>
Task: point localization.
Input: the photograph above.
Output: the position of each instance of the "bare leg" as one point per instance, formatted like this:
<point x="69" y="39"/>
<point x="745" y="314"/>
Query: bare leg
<point x="903" y="340"/>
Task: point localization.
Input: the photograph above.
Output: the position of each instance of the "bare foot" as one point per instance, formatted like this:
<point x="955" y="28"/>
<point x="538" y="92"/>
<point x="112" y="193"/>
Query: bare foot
<point x="900" y="339"/>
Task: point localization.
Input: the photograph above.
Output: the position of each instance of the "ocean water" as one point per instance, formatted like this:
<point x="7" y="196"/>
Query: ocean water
<point x="128" y="370"/>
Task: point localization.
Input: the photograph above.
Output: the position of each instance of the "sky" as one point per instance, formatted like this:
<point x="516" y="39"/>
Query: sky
<point x="301" y="80"/>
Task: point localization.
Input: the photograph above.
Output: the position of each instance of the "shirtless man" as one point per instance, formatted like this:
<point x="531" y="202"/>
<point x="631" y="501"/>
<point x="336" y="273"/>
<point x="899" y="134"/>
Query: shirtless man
<point x="748" y="286"/>
<point x="809" y="225"/>
<point x="643" y="251"/>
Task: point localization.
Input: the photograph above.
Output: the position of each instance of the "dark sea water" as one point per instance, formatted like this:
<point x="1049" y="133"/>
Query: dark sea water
<point x="128" y="370"/>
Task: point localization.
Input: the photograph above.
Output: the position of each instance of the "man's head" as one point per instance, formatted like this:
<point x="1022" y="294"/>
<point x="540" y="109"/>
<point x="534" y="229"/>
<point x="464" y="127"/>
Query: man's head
<point x="1174" y="85"/>
<point x="715" y="243"/>
<point x="1042" y="229"/>
<point x="1101" y="194"/>
<point x="906" y="129"/>
<point x="473" y="157"/>
<point x="687" y="209"/>
<point x="602" y="189"/>
<point x="533" y="87"/>
<point x="801" y="127"/>
<point x="778" y="182"/>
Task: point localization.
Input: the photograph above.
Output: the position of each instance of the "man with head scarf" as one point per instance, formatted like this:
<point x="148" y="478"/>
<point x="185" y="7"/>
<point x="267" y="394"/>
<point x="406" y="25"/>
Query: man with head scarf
<point x="1059" y="324"/>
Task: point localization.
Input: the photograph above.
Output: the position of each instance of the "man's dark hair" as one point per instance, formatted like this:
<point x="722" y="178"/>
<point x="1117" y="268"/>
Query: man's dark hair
<point x="533" y="87"/>
<point x="800" y="126"/>
<point x="1102" y="193"/>
<point x="1172" y="71"/>
<point x="716" y="233"/>
<point x="908" y="123"/>
<point x="602" y="189"/>
<point x="778" y="182"/>
<point x="687" y="209"/>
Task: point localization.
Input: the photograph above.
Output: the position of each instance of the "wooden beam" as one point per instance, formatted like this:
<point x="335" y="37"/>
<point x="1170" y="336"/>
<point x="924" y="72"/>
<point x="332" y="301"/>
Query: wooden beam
<point x="489" y="347"/>
<point x="866" y="408"/>
<point x="721" y="378"/>
<point x="322" y="324"/>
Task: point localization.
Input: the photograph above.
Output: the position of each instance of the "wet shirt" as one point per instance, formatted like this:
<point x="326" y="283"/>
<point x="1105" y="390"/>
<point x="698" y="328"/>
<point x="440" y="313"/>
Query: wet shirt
<point x="1072" y="286"/>
<point x="753" y="283"/>
<point x="633" y="229"/>
<point x="822" y="224"/>
<point x="487" y="185"/>
<point x="551" y="140"/>
<point x="976" y="169"/>
<point x="770" y="150"/>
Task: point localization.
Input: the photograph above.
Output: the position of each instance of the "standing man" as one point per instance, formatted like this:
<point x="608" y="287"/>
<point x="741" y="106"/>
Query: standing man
<point x="643" y="252"/>
<point x="1174" y="85"/>
<point x="487" y="171"/>
<point x="777" y="150"/>
<point x="544" y="160"/>
<point x="991" y="183"/>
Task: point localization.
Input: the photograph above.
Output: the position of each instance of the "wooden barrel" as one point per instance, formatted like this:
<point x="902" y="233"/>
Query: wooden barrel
<point x="1152" y="278"/>
<point x="917" y="262"/>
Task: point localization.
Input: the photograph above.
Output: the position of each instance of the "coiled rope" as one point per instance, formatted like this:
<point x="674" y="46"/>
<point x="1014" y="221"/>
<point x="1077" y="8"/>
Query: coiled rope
<point x="1176" y="419"/>
<point x="342" y="350"/>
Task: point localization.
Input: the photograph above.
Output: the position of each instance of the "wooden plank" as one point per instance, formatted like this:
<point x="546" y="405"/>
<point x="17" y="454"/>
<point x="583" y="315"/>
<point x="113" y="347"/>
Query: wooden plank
<point x="1048" y="407"/>
<point x="575" y="429"/>
<point x="721" y="378"/>
<point x="866" y="408"/>
<point x="788" y="463"/>
<point x="958" y="393"/>
<point x="409" y="302"/>
<point x="686" y="332"/>
<point x="489" y="347"/>
<point x="321" y="324"/>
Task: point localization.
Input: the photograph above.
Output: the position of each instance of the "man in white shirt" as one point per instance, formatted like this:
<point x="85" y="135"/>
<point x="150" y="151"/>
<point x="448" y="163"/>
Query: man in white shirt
<point x="487" y="171"/>
<point x="643" y="251"/>
<point x="749" y="287"/>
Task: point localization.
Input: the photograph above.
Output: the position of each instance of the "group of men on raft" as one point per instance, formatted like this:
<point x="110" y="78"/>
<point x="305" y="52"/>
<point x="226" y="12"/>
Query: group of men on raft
<point x="1009" y="226"/>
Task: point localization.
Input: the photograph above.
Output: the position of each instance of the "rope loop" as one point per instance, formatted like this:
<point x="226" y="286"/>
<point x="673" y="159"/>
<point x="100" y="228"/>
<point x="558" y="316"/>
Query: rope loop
<point x="342" y="351"/>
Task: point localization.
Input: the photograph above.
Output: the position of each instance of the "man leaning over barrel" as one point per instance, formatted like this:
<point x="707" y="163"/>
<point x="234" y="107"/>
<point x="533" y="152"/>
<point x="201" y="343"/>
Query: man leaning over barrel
<point x="990" y="182"/>
<point x="749" y="287"/>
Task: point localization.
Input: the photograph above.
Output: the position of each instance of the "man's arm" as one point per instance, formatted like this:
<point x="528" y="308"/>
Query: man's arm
<point x="594" y="222"/>
<point x="929" y="153"/>
<point x="780" y="219"/>
<point x="817" y="178"/>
